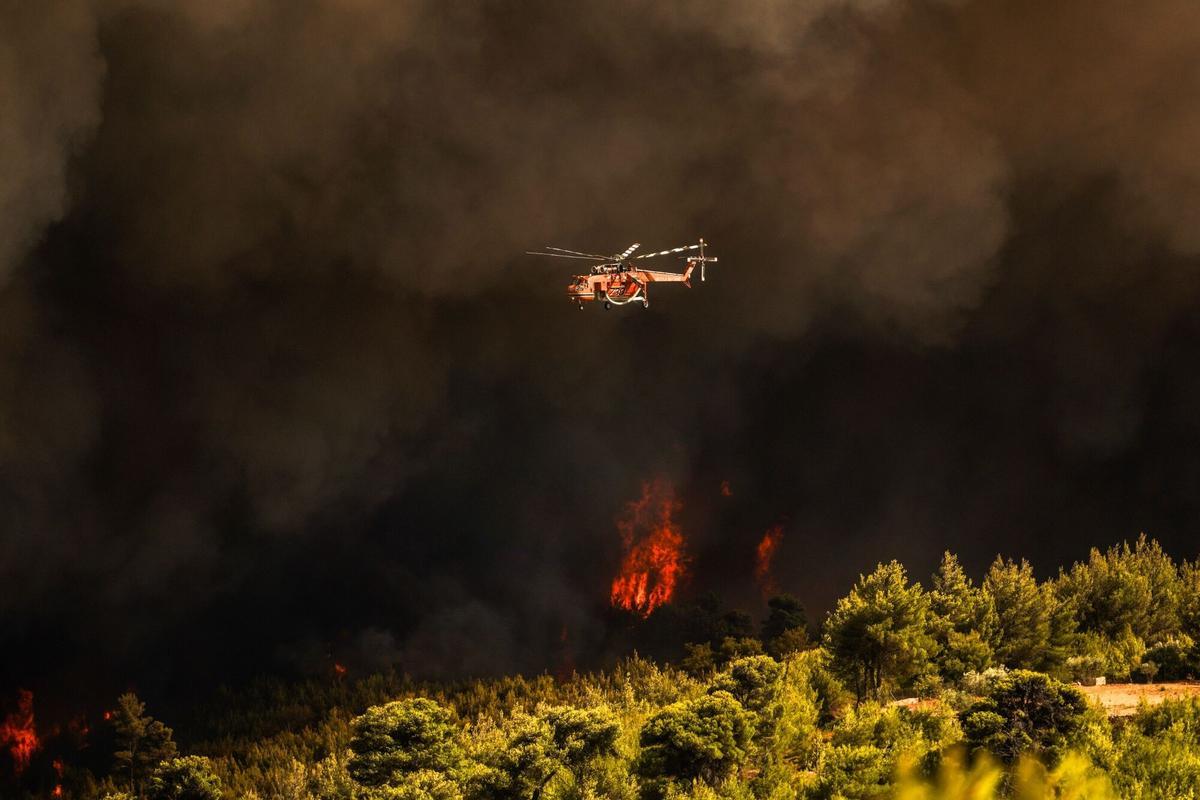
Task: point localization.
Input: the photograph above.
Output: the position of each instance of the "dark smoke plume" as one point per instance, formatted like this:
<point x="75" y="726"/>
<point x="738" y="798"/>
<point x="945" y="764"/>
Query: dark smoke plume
<point x="277" y="385"/>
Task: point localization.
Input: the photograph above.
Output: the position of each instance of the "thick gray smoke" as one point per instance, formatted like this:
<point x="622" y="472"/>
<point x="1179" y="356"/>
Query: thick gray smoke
<point x="271" y="358"/>
<point x="50" y="76"/>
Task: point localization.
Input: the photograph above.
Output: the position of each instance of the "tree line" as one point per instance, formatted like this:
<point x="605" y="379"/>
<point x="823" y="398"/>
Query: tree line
<point x="1126" y="613"/>
<point x="951" y="688"/>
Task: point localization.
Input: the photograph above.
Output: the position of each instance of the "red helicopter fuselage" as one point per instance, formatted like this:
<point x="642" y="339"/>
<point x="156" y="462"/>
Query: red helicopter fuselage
<point x="618" y="279"/>
<point x="623" y="285"/>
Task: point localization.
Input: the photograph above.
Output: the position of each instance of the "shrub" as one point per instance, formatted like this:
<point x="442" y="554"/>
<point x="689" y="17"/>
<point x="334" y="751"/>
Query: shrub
<point x="1025" y="712"/>
<point x="1175" y="659"/>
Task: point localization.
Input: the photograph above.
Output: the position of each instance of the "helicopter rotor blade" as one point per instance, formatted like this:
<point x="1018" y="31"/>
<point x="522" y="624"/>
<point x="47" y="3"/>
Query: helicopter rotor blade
<point x="669" y="252"/>
<point x="577" y="253"/>
<point x="628" y="252"/>
<point x="561" y="255"/>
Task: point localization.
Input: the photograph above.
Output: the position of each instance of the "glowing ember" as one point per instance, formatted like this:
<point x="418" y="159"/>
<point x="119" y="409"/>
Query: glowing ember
<point x="725" y="490"/>
<point x="79" y="726"/>
<point x="339" y="670"/>
<point x="763" y="556"/>
<point x="17" y="732"/>
<point x="653" y="542"/>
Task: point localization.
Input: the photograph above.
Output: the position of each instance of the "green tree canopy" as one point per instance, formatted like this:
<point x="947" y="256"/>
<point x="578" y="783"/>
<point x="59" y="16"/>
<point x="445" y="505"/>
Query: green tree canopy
<point x="1189" y="599"/>
<point x="1125" y="588"/>
<point x="142" y="742"/>
<point x="1025" y="614"/>
<point x="963" y="620"/>
<point x="1024" y="712"/>
<point x="753" y="681"/>
<point x="705" y="739"/>
<point x="521" y="758"/>
<point x="187" y="778"/>
<point x="879" y="635"/>
<point x="405" y="736"/>
<point x="582" y="735"/>
<point x="520" y="762"/>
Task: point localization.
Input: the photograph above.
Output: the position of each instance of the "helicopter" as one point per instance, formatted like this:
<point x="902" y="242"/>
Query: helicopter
<point x="619" y="279"/>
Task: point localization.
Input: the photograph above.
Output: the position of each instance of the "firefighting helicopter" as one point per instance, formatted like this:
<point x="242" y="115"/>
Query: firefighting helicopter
<point x="619" y="279"/>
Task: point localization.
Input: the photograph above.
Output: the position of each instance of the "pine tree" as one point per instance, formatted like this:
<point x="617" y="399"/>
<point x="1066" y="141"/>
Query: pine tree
<point x="707" y="739"/>
<point x="397" y="739"/>
<point x="1023" y="614"/>
<point x="1125" y="588"/>
<point x="1189" y="599"/>
<point x="879" y="634"/>
<point x="963" y="620"/>
<point x="142" y="742"/>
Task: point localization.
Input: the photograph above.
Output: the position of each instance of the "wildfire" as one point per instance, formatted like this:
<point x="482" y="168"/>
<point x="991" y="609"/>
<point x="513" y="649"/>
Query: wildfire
<point x="653" y="542"/>
<point x="763" y="556"/>
<point x="18" y="734"/>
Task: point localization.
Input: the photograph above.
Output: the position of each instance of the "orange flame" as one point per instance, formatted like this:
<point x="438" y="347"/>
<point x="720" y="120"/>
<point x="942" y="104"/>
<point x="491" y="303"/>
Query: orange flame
<point x="726" y="491"/>
<point x="654" y="561"/>
<point x="18" y="734"/>
<point x="339" y="670"/>
<point x="763" y="556"/>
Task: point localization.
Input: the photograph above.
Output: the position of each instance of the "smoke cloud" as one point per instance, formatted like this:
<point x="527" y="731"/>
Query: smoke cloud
<point x="276" y="379"/>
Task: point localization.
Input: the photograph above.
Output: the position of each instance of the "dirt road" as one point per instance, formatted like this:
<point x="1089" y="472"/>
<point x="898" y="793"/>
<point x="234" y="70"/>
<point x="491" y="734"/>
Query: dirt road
<point x="1121" y="699"/>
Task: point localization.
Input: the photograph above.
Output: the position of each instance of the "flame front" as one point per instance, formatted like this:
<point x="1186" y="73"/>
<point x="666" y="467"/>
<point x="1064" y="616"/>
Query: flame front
<point x="653" y="542"/>
<point x="18" y="734"/>
<point x="763" y="556"/>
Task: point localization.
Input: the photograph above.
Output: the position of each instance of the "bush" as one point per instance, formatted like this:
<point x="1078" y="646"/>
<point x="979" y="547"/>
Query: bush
<point x="1158" y="757"/>
<point x="1025" y="712"/>
<point x="1116" y="659"/>
<point x="1175" y="659"/>
<point x="854" y="770"/>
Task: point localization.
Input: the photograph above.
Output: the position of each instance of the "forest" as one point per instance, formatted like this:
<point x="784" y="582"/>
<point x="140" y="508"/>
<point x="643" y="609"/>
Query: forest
<point x="940" y="688"/>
